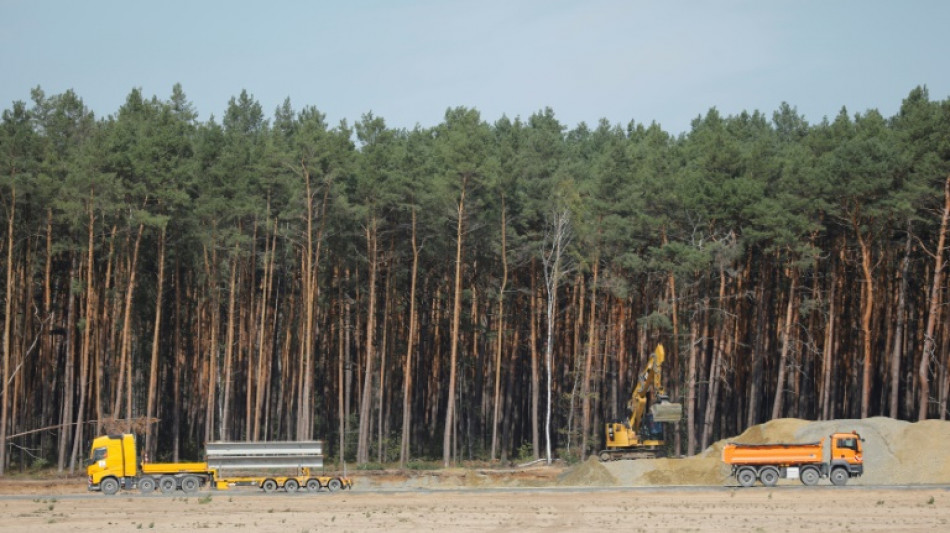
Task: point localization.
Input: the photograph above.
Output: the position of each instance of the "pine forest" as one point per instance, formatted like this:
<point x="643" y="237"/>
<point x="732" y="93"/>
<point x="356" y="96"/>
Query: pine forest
<point x="475" y="291"/>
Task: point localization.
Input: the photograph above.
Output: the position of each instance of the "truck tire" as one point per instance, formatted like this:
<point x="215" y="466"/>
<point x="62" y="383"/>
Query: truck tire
<point x="605" y="456"/>
<point x="809" y="476"/>
<point x="147" y="485"/>
<point x="109" y="486"/>
<point x="313" y="485"/>
<point x="746" y="477"/>
<point x="839" y="476"/>
<point x="334" y="484"/>
<point x="167" y="484"/>
<point x="291" y="486"/>
<point x="768" y="476"/>
<point x="190" y="484"/>
<point x="269" y="485"/>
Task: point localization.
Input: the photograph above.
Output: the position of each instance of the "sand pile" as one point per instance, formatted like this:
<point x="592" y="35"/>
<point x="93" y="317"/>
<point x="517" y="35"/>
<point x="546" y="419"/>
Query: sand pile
<point x="895" y="453"/>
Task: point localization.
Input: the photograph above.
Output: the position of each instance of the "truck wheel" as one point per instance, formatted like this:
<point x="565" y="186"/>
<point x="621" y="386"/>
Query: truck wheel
<point x="768" y="476"/>
<point x="109" y="486"/>
<point x="810" y="477"/>
<point x="746" y="477"/>
<point x="167" y="484"/>
<point x="313" y="485"/>
<point x="190" y="484"/>
<point x="269" y="485"/>
<point x="839" y="476"/>
<point x="147" y="485"/>
<point x="334" y="484"/>
<point x="291" y="486"/>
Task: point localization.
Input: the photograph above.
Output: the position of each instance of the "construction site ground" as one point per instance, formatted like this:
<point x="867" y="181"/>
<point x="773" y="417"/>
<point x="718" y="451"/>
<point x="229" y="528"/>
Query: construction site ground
<point x="905" y="488"/>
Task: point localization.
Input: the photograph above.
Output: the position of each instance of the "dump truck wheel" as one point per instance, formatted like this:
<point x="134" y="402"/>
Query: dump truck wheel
<point x="291" y="486"/>
<point x="746" y="477"/>
<point x="269" y="485"/>
<point x="167" y="484"/>
<point x="190" y="484"/>
<point x="147" y="485"/>
<point x="768" y="476"/>
<point x="335" y="484"/>
<point x="839" y="476"/>
<point x="810" y="477"/>
<point x="313" y="485"/>
<point x="109" y="486"/>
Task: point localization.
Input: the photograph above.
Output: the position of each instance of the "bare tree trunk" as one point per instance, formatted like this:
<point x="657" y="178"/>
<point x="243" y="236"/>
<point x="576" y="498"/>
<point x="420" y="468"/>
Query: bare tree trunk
<point x="7" y="323"/>
<point x="362" y="454"/>
<point x="88" y="326"/>
<point x="559" y="236"/>
<point x="589" y="359"/>
<point x="404" y="446"/>
<point x="153" y="367"/>
<point x="786" y="336"/>
<point x="229" y="347"/>
<point x="127" y="328"/>
<point x="67" y="410"/>
<point x="496" y="403"/>
<point x="867" y="309"/>
<point x="535" y="376"/>
<point x="923" y="371"/>
<point x="898" y="352"/>
<point x="454" y="341"/>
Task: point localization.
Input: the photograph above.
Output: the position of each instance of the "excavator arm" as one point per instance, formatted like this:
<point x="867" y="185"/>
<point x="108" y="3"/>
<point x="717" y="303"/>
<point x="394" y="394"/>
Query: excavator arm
<point x="651" y="379"/>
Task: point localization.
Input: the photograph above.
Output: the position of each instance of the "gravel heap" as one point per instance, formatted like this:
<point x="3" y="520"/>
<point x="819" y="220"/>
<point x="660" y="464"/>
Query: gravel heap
<point x="895" y="453"/>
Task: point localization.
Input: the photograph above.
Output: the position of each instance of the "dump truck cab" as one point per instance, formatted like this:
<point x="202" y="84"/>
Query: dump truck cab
<point x="112" y="463"/>
<point x="847" y="452"/>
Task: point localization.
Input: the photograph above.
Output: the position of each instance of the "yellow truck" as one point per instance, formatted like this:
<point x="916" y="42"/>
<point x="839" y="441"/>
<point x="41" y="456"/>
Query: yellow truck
<point x="114" y="465"/>
<point x="809" y="462"/>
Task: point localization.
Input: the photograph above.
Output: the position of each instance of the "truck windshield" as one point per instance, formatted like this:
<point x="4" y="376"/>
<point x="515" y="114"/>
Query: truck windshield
<point x="98" y="454"/>
<point x="851" y="444"/>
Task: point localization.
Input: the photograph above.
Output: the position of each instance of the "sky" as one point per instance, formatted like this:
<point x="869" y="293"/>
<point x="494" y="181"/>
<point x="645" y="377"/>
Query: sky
<point x="408" y="61"/>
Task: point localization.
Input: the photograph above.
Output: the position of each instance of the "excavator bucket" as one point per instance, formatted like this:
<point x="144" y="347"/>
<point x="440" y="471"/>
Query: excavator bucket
<point x="667" y="412"/>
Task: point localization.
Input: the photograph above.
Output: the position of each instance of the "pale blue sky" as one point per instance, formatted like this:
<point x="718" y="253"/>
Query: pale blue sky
<point x="407" y="61"/>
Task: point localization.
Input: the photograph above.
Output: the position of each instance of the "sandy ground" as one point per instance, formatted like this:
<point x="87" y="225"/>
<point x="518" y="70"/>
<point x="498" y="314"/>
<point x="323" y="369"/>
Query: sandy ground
<point x="578" y="509"/>
<point x="906" y="487"/>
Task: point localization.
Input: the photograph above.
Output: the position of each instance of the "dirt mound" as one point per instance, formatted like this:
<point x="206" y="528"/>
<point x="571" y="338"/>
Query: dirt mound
<point x="895" y="453"/>
<point x="590" y="473"/>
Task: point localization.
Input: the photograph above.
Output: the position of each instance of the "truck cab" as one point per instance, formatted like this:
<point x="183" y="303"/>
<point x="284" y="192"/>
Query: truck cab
<point x="846" y="452"/>
<point x="112" y="463"/>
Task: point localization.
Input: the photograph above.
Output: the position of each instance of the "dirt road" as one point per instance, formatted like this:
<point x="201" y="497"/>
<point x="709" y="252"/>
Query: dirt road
<point x="563" y="509"/>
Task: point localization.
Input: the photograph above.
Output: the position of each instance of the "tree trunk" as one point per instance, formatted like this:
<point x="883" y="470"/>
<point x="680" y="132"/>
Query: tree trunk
<point x="923" y="371"/>
<point x="454" y="340"/>
<point x="897" y="351"/>
<point x="404" y="447"/>
<point x="496" y="403"/>
<point x="229" y="347"/>
<point x="150" y="446"/>
<point x="362" y="454"/>
<point x="7" y="341"/>
<point x="127" y="328"/>
<point x="786" y="336"/>
<point x="589" y="360"/>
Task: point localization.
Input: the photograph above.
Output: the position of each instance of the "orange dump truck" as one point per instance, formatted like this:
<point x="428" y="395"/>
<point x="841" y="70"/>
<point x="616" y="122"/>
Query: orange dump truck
<point x="808" y="462"/>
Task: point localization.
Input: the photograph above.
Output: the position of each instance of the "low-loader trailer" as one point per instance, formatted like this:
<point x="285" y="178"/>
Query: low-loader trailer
<point x="286" y="465"/>
<point x="808" y="462"/>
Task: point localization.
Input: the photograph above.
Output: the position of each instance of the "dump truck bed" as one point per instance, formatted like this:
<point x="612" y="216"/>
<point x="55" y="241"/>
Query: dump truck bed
<point x="772" y="454"/>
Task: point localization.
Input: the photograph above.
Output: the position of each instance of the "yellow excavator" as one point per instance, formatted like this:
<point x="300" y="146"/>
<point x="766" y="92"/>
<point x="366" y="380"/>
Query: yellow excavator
<point x="637" y="438"/>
